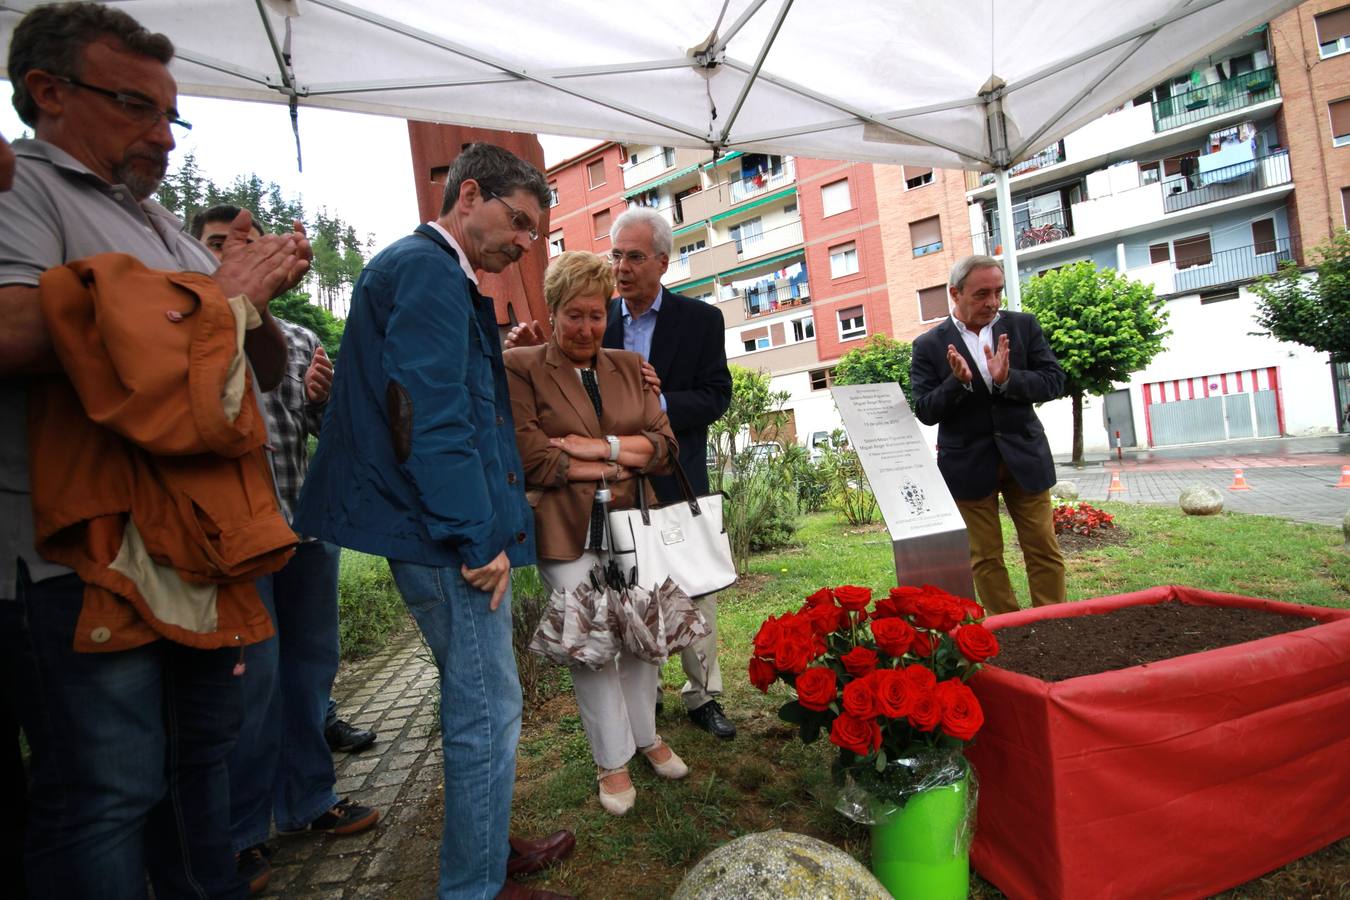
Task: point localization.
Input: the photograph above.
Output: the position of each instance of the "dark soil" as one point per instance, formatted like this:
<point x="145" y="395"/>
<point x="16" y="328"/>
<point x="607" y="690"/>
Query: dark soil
<point x="1072" y="542"/>
<point x="1056" y="649"/>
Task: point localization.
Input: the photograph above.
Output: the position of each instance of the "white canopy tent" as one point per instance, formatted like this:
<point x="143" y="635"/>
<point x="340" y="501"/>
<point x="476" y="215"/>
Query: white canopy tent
<point x="976" y="84"/>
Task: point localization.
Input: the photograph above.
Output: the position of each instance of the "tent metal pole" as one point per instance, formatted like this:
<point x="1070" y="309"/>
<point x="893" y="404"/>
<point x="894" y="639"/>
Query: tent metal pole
<point x="1012" y="285"/>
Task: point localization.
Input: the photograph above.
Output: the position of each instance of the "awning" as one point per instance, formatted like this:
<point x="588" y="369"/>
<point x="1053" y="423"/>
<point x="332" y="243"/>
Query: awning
<point x="725" y="159"/>
<point x="782" y="257"/>
<point x="767" y="198"/>
<point x="647" y="186"/>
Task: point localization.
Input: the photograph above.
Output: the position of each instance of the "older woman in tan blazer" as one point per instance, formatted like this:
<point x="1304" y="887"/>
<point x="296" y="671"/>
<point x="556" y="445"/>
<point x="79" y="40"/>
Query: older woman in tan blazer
<point x="583" y="413"/>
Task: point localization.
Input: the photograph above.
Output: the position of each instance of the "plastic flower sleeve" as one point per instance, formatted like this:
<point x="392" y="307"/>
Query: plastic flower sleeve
<point x="869" y="797"/>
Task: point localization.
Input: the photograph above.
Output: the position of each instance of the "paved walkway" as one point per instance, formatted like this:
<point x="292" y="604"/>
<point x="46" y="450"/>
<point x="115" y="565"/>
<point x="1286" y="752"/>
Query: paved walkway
<point x="1294" y="478"/>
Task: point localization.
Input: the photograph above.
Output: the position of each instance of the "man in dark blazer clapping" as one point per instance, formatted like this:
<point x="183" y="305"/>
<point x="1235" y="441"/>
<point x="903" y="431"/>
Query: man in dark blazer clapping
<point x="976" y="375"/>
<point x="684" y="343"/>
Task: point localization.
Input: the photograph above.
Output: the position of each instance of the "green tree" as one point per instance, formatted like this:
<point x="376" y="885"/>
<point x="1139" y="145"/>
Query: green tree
<point x="880" y="360"/>
<point x="295" y="306"/>
<point x="1312" y="312"/>
<point x="1101" y="325"/>
<point x="755" y="408"/>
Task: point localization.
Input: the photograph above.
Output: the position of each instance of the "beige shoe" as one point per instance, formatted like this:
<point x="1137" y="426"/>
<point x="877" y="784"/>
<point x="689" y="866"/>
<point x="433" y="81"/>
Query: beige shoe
<point x="619" y="802"/>
<point x="672" y="767"/>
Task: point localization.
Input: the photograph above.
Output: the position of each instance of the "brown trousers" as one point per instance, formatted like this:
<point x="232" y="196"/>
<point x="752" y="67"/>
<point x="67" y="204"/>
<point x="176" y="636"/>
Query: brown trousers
<point x="1032" y="516"/>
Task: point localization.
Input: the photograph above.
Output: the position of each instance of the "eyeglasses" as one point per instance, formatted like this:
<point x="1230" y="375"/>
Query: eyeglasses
<point x="519" y="221"/>
<point x="137" y="109"/>
<point x="634" y="258"/>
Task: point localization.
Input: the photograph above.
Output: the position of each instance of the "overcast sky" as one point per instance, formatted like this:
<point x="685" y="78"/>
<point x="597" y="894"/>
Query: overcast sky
<point x="357" y="166"/>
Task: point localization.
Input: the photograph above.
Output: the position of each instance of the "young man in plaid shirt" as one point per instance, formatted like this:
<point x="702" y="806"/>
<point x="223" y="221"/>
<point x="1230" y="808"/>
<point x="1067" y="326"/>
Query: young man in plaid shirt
<point x="281" y="767"/>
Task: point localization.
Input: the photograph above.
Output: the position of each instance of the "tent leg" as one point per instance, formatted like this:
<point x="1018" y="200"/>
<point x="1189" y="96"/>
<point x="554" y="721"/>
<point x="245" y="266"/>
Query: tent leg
<point x="1012" y="285"/>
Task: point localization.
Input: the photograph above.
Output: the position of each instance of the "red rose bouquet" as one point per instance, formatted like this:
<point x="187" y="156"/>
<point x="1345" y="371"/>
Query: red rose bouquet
<point x="885" y="680"/>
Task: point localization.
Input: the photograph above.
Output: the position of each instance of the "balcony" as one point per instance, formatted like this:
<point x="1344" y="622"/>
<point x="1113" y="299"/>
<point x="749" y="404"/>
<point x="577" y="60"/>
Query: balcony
<point x="701" y="264"/>
<point x="751" y="246"/>
<point x="773" y="295"/>
<point x="1236" y="266"/>
<point x="1032" y="230"/>
<point x="764" y="182"/>
<point x="1240" y="91"/>
<point x="720" y="198"/>
<point x="1047" y="157"/>
<point x="657" y="162"/>
<point x="1198" y="188"/>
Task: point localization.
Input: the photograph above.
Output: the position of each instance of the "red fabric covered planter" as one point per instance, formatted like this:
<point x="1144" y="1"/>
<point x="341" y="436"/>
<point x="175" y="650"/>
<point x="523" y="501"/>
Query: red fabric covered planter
<point x="1176" y="779"/>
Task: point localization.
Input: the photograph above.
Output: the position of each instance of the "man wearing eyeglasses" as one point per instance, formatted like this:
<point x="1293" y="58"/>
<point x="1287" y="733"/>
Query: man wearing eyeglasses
<point x="417" y="462"/>
<point x="128" y="745"/>
<point x="684" y="344"/>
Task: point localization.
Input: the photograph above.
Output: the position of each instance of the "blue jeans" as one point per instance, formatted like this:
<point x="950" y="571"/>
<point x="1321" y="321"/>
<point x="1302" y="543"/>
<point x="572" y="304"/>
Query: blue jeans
<point x="480" y="723"/>
<point x="281" y="767"/>
<point x="128" y="767"/>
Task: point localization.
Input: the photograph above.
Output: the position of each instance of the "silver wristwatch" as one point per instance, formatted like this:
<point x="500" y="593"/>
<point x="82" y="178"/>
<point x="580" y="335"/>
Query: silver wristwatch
<point x="613" y="447"/>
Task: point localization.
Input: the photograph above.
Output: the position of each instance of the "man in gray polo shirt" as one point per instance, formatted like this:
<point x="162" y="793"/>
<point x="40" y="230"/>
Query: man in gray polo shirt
<point x="129" y="747"/>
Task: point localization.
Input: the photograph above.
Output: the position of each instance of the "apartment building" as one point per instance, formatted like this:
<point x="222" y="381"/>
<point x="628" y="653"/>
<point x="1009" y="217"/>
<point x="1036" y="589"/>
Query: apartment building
<point x="789" y="249"/>
<point x="1198" y="186"/>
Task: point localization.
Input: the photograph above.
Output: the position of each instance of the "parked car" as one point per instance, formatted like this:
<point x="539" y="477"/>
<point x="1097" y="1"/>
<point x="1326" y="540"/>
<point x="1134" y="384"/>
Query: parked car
<point x="764" y="451"/>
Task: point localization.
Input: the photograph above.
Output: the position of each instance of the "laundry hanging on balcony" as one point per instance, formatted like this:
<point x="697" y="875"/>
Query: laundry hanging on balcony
<point x="1232" y="160"/>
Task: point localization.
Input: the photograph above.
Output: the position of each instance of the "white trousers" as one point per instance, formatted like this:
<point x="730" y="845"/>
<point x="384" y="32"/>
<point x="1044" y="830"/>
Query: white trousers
<point x="615" y="702"/>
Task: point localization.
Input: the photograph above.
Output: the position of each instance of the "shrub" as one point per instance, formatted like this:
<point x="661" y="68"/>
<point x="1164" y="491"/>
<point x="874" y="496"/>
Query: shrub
<point x="1081" y="519"/>
<point x="849" y="487"/>
<point x="369" y="606"/>
<point x="539" y="679"/>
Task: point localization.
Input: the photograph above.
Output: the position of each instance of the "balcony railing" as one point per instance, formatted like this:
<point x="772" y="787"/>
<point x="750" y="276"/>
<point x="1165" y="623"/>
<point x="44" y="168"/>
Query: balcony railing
<point x="1047" y="157"/>
<point x="746" y="188"/>
<point x="1198" y="188"/>
<point x="748" y="246"/>
<point x="1234" y="266"/>
<point x="1032" y="231"/>
<point x="1246" y="89"/>
<point x="771" y="296"/>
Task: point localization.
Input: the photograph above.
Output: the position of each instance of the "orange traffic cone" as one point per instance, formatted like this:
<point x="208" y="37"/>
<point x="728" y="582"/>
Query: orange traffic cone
<point x="1115" y="487"/>
<point x="1239" y="483"/>
<point x="1345" y="478"/>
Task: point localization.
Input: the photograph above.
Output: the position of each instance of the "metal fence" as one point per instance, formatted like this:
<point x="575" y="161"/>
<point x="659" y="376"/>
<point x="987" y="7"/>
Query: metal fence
<point x="1246" y="89"/>
<point x="1198" y="188"/>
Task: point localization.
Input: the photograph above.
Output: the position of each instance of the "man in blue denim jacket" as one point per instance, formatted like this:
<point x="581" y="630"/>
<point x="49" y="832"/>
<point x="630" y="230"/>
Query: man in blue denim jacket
<point x="417" y="462"/>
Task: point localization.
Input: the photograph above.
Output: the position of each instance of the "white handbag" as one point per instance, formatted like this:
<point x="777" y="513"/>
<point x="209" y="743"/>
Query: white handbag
<point x="683" y="541"/>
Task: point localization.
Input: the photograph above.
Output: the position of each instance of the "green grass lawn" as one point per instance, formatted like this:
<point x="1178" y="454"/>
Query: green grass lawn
<point x="766" y="778"/>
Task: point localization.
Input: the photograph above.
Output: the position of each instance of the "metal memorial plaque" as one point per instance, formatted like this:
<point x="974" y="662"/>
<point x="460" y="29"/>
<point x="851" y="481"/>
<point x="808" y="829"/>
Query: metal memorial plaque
<point x="927" y="533"/>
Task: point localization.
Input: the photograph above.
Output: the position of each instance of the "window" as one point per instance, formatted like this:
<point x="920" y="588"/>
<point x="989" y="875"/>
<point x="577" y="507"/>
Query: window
<point x="803" y="329"/>
<point x="1263" y="236"/>
<point x="1345" y="206"/>
<point x="916" y="176"/>
<point x="595" y="172"/>
<point x="1159" y="253"/>
<point x="851" y="323"/>
<point x="1192" y="251"/>
<point x="748" y="235"/>
<point x="1333" y="31"/>
<point x="821" y="379"/>
<point x="755" y="339"/>
<point x="600" y="223"/>
<point x="1340" y="122"/>
<point x="552" y="195"/>
<point x="933" y="303"/>
<point x="555" y="243"/>
<point x="926" y="235"/>
<point x="843" y="260"/>
<point x="692" y="248"/>
<point x="790" y="209"/>
<point x="834" y="198"/>
<point x="668" y="156"/>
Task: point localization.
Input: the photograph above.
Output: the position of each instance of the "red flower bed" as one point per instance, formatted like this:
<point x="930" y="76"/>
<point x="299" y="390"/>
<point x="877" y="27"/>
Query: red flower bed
<point x="1177" y="779"/>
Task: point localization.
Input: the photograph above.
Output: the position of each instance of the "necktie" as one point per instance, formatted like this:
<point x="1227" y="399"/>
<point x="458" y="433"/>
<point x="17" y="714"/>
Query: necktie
<point x="592" y="387"/>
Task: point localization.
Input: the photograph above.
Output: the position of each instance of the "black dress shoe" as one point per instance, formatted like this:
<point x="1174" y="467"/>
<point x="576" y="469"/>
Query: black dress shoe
<point x="344" y="737"/>
<point x="711" y="719"/>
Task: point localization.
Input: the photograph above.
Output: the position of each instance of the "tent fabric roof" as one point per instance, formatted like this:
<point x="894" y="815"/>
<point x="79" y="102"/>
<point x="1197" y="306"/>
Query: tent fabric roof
<point x="867" y="80"/>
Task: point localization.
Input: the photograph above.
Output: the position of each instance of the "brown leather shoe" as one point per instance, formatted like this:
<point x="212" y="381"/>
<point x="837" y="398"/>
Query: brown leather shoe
<point x="515" y="891"/>
<point x="529" y="856"/>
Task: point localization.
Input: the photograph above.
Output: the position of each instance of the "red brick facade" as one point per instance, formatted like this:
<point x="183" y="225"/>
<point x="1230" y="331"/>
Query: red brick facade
<point x="582" y="205"/>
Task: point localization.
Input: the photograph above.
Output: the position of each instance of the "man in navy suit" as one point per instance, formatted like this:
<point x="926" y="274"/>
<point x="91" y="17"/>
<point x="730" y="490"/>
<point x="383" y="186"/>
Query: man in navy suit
<point x="976" y="375"/>
<point x="684" y="343"/>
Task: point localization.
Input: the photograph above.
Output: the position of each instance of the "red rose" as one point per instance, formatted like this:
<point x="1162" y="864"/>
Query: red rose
<point x="826" y="618"/>
<point x="973" y="609"/>
<point x="921" y="677"/>
<point x="860" y="697"/>
<point x="894" y="693"/>
<point x="766" y="639"/>
<point x="821" y="596"/>
<point x="923" y="644"/>
<point x="961" y="713"/>
<point x="976" y="642"/>
<point x="815" y="688"/>
<point x="938" y="612"/>
<point x="793" y="653"/>
<point x="859" y="660"/>
<point x="926" y="711"/>
<point x="762" y="673"/>
<point x="852" y="597"/>
<point x="905" y="599"/>
<point x="860" y="736"/>
<point x="893" y="636"/>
